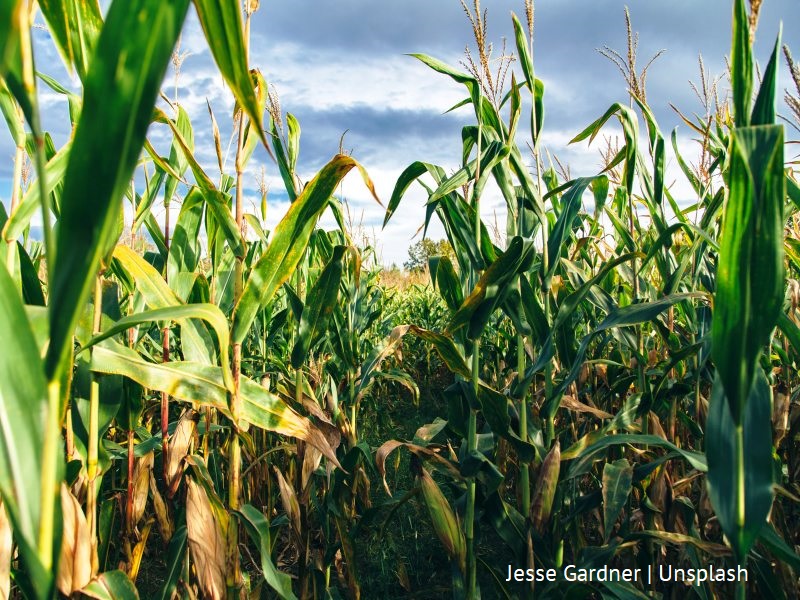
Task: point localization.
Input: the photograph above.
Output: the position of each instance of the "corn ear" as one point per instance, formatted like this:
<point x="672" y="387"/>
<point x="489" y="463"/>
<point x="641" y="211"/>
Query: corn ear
<point x="78" y="562"/>
<point x="178" y="450"/>
<point x="206" y="541"/>
<point x="6" y="545"/>
<point x="141" y="483"/>
<point x="544" y="494"/>
<point x="444" y="520"/>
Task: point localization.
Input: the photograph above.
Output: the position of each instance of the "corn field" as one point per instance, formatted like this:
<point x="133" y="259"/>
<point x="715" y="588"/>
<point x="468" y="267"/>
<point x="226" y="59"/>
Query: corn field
<point x="600" y="400"/>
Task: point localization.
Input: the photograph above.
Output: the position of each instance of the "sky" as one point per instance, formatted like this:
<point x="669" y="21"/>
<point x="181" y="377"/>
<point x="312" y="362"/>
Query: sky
<point x="344" y="66"/>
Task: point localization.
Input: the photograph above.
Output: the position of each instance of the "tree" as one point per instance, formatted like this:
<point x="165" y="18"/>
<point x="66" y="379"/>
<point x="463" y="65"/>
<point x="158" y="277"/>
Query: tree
<point x="419" y="253"/>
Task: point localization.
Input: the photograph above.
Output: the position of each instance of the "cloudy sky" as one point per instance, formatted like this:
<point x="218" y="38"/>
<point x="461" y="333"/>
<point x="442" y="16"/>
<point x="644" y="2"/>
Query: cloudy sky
<point x="342" y="66"/>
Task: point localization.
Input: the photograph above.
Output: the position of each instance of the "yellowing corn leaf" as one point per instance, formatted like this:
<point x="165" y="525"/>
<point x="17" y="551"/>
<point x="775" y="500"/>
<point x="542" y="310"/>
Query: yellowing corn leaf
<point x="138" y="551"/>
<point x="78" y="562"/>
<point x="206" y="542"/>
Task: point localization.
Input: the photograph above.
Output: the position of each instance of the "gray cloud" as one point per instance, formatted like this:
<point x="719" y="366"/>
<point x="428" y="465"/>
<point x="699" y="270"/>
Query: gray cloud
<point x="341" y="65"/>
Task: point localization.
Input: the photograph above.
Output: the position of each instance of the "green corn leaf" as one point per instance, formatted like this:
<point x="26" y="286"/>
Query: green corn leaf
<point x="31" y="286"/>
<point x="571" y="203"/>
<point x="750" y="271"/>
<point x="318" y="307"/>
<point x="120" y="91"/>
<point x="221" y="21"/>
<point x="446" y="349"/>
<point x="776" y="544"/>
<point x="175" y="561"/>
<point x="491" y="289"/>
<point x="494" y="408"/>
<point x="740" y="474"/>
<point x="630" y="130"/>
<point x="220" y="207"/>
<point x="284" y="162"/>
<point x="585" y="456"/>
<point x="535" y="86"/>
<point x="472" y="85"/>
<point x="75" y="26"/>
<point x="257" y="528"/>
<point x="617" y="481"/>
<point x="490" y="157"/>
<point x="23" y="408"/>
<point x="111" y="585"/>
<point x="741" y="65"/>
<point x="8" y="107"/>
<point x="289" y="242"/>
<point x="53" y="177"/>
<point x="148" y="281"/>
<point x="184" y="250"/>
<point x="8" y="20"/>
<point x="446" y="279"/>
<point x="764" y="108"/>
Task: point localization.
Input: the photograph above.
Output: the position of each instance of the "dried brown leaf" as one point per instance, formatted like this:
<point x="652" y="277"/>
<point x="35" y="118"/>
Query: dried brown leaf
<point x="571" y="403"/>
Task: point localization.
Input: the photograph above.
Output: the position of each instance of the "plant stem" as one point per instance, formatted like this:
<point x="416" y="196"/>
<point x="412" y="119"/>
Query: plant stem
<point x="50" y="480"/>
<point x="472" y="445"/>
<point x="94" y="411"/>
<point x="234" y="576"/>
<point x="524" y="475"/>
<point x="16" y="193"/>
<point x="165" y="359"/>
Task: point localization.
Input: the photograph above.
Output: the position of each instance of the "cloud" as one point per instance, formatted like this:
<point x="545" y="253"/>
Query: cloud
<point x="343" y="66"/>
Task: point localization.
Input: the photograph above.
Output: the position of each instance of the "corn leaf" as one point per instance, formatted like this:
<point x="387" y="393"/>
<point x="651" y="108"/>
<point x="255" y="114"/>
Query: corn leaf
<point x="491" y="289"/>
<point x="111" y="585"/>
<point x="120" y="90"/>
<point x="289" y="242"/>
<point x="23" y="408"/>
<point x="201" y="385"/>
<point x="318" y="307"/>
<point x="617" y="480"/>
<point x="206" y="312"/>
<point x="741" y="65"/>
<point x="750" y="272"/>
<point x="740" y="466"/>
<point x="222" y="24"/>
<point x="8" y="21"/>
<point x="75" y="26"/>
<point x="257" y="528"/>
